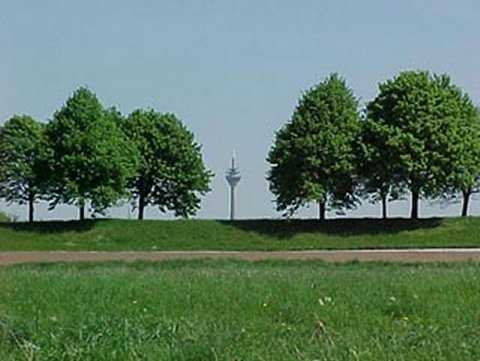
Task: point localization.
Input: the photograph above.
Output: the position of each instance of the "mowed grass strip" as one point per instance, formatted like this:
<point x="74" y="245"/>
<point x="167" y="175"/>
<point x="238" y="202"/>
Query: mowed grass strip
<point x="264" y="235"/>
<point x="231" y="310"/>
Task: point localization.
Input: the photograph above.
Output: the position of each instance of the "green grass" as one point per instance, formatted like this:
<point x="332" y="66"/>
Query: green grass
<point x="124" y="235"/>
<point x="230" y="310"/>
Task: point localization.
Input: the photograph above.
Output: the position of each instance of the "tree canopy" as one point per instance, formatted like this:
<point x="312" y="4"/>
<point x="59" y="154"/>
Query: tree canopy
<point x="91" y="160"/>
<point x="419" y="118"/>
<point x="313" y="158"/>
<point x="377" y="171"/>
<point x="21" y="176"/>
<point x="461" y="168"/>
<point x="171" y="173"/>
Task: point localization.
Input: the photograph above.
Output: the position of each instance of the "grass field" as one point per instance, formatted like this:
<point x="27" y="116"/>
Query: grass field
<point x="226" y="310"/>
<point x="124" y="235"/>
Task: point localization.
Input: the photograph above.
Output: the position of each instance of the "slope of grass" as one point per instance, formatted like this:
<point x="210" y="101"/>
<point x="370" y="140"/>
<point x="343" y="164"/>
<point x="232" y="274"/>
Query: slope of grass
<point x="123" y="235"/>
<point x="205" y="310"/>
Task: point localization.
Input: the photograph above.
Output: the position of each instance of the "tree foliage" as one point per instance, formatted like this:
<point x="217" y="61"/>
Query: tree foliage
<point x="462" y="169"/>
<point x="376" y="169"/>
<point x="21" y="173"/>
<point x="171" y="173"/>
<point x="419" y="118"/>
<point x="91" y="160"/>
<point x="313" y="158"/>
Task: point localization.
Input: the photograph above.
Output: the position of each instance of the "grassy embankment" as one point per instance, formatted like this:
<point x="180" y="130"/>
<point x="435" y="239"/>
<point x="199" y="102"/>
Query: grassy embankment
<point x="227" y="310"/>
<point x="123" y="235"/>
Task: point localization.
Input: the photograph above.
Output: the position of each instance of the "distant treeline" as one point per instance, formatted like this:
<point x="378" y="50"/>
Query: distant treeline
<point x="420" y="135"/>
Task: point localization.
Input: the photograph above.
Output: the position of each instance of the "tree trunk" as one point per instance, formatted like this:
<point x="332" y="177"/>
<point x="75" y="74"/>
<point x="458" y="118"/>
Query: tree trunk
<point x="81" y="208"/>
<point x="82" y="212"/>
<point x="466" y="201"/>
<point x="384" y="206"/>
<point x="415" y="199"/>
<point x="321" y="210"/>
<point x="141" y="206"/>
<point x="31" y="200"/>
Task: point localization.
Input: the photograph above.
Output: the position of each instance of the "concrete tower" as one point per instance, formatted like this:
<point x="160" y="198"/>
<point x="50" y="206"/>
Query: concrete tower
<point x="233" y="177"/>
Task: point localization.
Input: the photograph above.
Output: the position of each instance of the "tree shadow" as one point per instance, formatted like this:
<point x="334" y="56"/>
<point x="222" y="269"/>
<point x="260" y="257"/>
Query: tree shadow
<point x="285" y="229"/>
<point x="51" y="226"/>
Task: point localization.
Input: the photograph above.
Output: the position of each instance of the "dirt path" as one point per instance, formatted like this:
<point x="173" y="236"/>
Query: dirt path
<point x="420" y="255"/>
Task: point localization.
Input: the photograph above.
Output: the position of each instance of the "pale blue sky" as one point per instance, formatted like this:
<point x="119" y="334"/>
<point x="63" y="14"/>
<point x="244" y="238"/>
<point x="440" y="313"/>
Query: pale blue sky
<point x="231" y="70"/>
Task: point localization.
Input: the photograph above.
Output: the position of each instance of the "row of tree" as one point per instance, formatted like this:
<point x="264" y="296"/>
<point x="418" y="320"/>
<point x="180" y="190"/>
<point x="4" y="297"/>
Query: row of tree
<point x="87" y="155"/>
<point x="421" y="134"/>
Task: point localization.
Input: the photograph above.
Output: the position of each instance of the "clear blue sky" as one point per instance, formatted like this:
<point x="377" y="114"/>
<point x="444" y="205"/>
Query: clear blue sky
<point x="231" y="70"/>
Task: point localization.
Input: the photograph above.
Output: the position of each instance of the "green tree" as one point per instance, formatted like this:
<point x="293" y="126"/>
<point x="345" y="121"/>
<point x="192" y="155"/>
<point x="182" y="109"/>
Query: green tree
<point x="377" y="171"/>
<point x="419" y="116"/>
<point x="20" y="161"/>
<point x="313" y="158"/>
<point x="91" y="159"/>
<point x="171" y="173"/>
<point x="462" y="168"/>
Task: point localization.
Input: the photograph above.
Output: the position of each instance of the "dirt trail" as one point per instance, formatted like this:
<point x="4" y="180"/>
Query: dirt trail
<point x="420" y="255"/>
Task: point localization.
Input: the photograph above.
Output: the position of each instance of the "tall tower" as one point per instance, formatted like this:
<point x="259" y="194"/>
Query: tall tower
<point x="233" y="177"/>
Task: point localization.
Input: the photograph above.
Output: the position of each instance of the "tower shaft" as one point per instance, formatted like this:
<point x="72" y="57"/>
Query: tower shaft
<point x="232" y="203"/>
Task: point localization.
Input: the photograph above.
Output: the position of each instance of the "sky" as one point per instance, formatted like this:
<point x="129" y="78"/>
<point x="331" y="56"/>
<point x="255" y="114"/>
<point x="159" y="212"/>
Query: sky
<point x="232" y="71"/>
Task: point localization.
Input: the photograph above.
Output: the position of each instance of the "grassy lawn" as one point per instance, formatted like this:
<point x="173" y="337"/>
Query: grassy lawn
<point x="228" y="310"/>
<point x="124" y="235"/>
